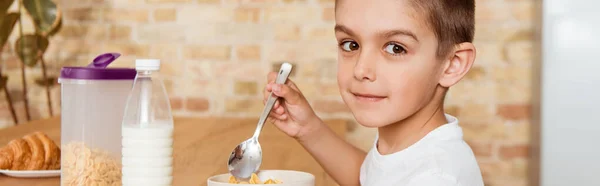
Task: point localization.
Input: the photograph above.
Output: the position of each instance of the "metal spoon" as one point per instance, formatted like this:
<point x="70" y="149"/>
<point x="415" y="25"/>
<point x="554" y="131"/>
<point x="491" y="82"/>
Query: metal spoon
<point x="246" y="158"/>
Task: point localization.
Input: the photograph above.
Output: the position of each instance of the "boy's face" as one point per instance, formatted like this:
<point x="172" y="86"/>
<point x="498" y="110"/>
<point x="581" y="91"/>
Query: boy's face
<point x="387" y="65"/>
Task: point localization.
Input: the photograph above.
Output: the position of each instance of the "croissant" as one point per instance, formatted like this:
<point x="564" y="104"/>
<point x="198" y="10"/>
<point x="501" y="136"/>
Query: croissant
<point x="35" y="151"/>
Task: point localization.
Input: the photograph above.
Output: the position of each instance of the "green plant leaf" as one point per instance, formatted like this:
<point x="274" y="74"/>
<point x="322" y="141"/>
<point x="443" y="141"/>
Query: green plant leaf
<point x="7" y="23"/>
<point x="56" y="27"/>
<point x="33" y="47"/>
<point x="45" y="14"/>
<point x="4" y="5"/>
<point x="3" y="81"/>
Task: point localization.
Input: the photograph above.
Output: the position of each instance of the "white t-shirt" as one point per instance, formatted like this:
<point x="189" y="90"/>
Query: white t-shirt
<point x="441" y="158"/>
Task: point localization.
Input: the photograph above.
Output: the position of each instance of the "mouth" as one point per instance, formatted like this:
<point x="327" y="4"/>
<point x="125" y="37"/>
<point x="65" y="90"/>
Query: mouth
<point x="368" y="97"/>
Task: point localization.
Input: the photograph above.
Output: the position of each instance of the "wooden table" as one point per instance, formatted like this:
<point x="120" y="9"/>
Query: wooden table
<point x="201" y="148"/>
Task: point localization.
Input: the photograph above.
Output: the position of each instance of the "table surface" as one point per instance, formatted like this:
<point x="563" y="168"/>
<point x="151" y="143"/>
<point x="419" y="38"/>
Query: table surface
<point x="201" y="148"/>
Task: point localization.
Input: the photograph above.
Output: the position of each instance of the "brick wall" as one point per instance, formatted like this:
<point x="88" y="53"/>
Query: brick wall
<point x="216" y="54"/>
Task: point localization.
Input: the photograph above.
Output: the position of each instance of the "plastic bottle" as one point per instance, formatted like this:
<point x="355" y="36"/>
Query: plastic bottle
<point x="147" y="133"/>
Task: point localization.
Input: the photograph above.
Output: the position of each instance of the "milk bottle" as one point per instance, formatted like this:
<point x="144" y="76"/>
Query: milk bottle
<point x="147" y="130"/>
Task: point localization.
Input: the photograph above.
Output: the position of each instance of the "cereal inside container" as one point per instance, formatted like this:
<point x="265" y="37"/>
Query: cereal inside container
<point x="92" y="104"/>
<point x="83" y="165"/>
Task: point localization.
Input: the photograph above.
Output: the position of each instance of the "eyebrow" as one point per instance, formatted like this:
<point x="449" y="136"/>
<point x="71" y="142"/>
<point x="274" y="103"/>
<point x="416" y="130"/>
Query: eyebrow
<point x="387" y="34"/>
<point x="342" y="28"/>
<point x="392" y="33"/>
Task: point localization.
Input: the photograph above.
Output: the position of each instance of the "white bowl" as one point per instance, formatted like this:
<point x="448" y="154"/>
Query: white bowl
<point x="288" y="177"/>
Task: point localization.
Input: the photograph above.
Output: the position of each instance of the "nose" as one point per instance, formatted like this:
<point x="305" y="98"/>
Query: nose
<point x="364" y="69"/>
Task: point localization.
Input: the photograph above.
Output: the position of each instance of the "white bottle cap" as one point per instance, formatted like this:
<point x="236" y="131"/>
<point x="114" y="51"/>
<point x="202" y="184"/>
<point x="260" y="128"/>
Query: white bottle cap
<point x="147" y="64"/>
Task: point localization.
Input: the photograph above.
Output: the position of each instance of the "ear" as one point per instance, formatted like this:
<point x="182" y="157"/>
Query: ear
<point x="458" y="64"/>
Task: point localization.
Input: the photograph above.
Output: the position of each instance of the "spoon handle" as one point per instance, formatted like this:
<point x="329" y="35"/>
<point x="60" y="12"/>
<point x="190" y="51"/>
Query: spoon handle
<point x="282" y="76"/>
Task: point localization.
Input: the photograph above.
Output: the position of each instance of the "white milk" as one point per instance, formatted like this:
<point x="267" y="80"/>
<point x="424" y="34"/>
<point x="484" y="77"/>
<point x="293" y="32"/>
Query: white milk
<point x="147" y="162"/>
<point x="153" y="133"/>
<point x="147" y="180"/>
<point x="161" y="142"/>
<point x="147" y="155"/>
<point x="147" y="152"/>
<point x="140" y="172"/>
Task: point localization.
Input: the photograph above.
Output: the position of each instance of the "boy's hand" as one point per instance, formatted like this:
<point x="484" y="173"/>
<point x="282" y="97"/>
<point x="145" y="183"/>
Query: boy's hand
<point x="291" y="113"/>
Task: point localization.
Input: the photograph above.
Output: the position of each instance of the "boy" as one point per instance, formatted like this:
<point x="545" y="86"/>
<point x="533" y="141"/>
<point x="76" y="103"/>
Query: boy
<point x="396" y="61"/>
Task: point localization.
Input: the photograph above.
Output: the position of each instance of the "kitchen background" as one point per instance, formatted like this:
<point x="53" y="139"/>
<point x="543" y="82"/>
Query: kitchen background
<point x="216" y="54"/>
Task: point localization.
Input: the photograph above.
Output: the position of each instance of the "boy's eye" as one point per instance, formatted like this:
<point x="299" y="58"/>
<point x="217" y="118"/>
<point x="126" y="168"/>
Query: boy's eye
<point x="394" y="49"/>
<point x="349" y="46"/>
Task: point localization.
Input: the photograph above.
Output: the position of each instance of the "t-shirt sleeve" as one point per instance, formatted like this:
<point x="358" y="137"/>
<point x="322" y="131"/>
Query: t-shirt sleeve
<point x="433" y="178"/>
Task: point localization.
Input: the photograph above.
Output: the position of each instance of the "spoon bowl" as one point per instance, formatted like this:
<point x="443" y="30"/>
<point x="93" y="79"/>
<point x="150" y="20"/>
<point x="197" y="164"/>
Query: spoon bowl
<point x="246" y="157"/>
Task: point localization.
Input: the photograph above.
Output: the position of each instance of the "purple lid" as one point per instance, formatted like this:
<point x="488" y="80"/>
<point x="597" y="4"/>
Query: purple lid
<point x="97" y="70"/>
<point x="97" y="73"/>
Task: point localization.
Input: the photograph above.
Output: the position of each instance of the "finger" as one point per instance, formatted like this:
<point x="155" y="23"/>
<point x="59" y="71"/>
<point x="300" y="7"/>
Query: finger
<point x="280" y="110"/>
<point x="277" y="111"/>
<point x="293" y="86"/>
<point x="267" y="92"/>
<point x="269" y="87"/>
<point x="291" y="83"/>
<point x="277" y="116"/>
<point x="282" y="117"/>
<point x="276" y="105"/>
<point x="290" y="95"/>
<point x="283" y="126"/>
<point x="271" y="77"/>
<point x="273" y="115"/>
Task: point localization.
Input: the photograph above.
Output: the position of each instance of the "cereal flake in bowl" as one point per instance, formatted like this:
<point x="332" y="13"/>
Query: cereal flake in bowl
<point x="266" y="177"/>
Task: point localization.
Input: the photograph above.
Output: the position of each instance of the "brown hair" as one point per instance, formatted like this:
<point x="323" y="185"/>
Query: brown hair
<point x="452" y="21"/>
